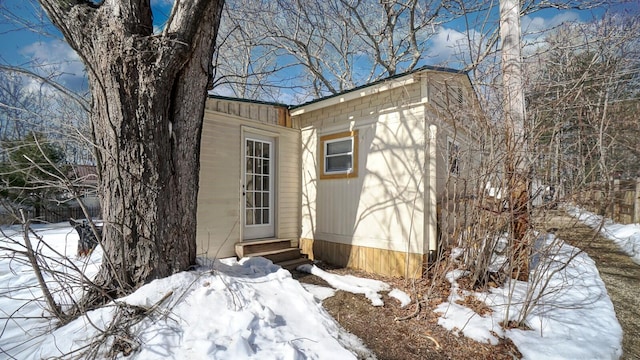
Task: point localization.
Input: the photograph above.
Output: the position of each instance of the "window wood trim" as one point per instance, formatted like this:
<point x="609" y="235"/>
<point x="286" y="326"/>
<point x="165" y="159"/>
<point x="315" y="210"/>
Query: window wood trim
<point x="321" y="156"/>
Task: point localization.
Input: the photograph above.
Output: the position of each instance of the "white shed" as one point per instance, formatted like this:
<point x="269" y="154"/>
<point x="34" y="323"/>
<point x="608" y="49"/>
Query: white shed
<point x="356" y="177"/>
<point x="375" y="161"/>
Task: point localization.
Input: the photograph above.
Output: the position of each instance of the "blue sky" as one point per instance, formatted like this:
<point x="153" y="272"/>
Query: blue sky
<point x="28" y="39"/>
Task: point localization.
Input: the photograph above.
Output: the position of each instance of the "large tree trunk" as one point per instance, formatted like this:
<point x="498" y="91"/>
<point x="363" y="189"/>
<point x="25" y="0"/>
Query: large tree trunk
<point x="148" y="96"/>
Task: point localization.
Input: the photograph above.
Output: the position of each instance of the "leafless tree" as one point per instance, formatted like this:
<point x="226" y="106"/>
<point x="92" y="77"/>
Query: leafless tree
<point x="582" y="97"/>
<point x="326" y="46"/>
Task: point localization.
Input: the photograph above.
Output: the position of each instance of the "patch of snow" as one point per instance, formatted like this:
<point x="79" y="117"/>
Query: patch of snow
<point x="456" y="253"/>
<point x="401" y="296"/>
<point x="320" y="293"/>
<point x="627" y="237"/>
<point x="368" y="287"/>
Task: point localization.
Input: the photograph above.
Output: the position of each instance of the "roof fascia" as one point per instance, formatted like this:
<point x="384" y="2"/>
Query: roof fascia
<point x="356" y="94"/>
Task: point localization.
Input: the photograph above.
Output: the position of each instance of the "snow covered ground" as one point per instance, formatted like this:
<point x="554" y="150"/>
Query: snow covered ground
<point x="227" y="309"/>
<point x="627" y="237"/>
<point x="252" y="309"/>
<point x="571" y="315"/>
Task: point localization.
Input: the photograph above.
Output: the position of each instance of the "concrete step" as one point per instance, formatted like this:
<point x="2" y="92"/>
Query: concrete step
<point x="249" y="248"/>
<point x="294" y="263"/>
<point x="280" y="255"/>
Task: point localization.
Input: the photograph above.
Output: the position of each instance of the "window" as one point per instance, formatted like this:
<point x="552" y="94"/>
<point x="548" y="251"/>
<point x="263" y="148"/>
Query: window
<point x="339" y="155"/>
<point x="454" y="157"/>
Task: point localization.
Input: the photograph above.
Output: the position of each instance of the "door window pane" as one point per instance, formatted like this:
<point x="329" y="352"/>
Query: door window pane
<point x="258" y="179"/>
<point x="258" y="148"/>
<point x="249" y="199"/>
<point x="249" y="165"/>
<point x="249" y="148"/>
<point x="249" y="217"/>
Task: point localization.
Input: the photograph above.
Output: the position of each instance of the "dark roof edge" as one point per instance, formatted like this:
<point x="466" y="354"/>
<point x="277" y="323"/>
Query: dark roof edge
<point x="422" y="68"/>
<point x="259" y="102"/>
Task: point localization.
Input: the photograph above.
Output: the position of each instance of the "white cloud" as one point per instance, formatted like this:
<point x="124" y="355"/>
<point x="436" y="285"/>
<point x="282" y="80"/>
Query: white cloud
<point x="537" y="24"/>
<point x="446" y="45"/>
<point x="536" y="28"/>
<point x="56" y="58"/>
<point x="450" y="47"/>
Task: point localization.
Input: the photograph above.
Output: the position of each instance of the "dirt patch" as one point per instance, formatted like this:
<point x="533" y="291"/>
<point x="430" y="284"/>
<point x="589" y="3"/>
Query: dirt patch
<point x="620" y="275"/>
<point x="419" y="337"/>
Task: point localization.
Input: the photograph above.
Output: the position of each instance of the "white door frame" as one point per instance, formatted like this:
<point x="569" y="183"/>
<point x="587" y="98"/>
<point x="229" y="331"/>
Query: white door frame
<point x="258" y="184"/>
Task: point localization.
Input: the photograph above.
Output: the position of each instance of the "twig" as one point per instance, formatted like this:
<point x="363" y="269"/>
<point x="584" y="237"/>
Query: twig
<point x="414" y="314"/>
<point x="53" y="307"/>
<point x="432" y="339"/>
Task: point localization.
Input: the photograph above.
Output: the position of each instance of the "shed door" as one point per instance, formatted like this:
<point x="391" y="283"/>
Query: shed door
<point x="258" y="187"/>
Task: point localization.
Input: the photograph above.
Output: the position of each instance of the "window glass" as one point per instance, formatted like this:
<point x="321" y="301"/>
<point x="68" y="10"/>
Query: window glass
<point x="258" y="182"/>
<point x="339" y="163"/>
<point x="249" y="165"/>
<point x="339" y="147"/>
<point x="249" y="148"/>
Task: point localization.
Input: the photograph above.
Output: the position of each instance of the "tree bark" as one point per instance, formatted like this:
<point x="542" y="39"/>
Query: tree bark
<point x="148" y="95"/>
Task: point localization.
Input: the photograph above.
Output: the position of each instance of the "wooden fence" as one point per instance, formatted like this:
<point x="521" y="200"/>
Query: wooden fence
<point x="619" y="201"/>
